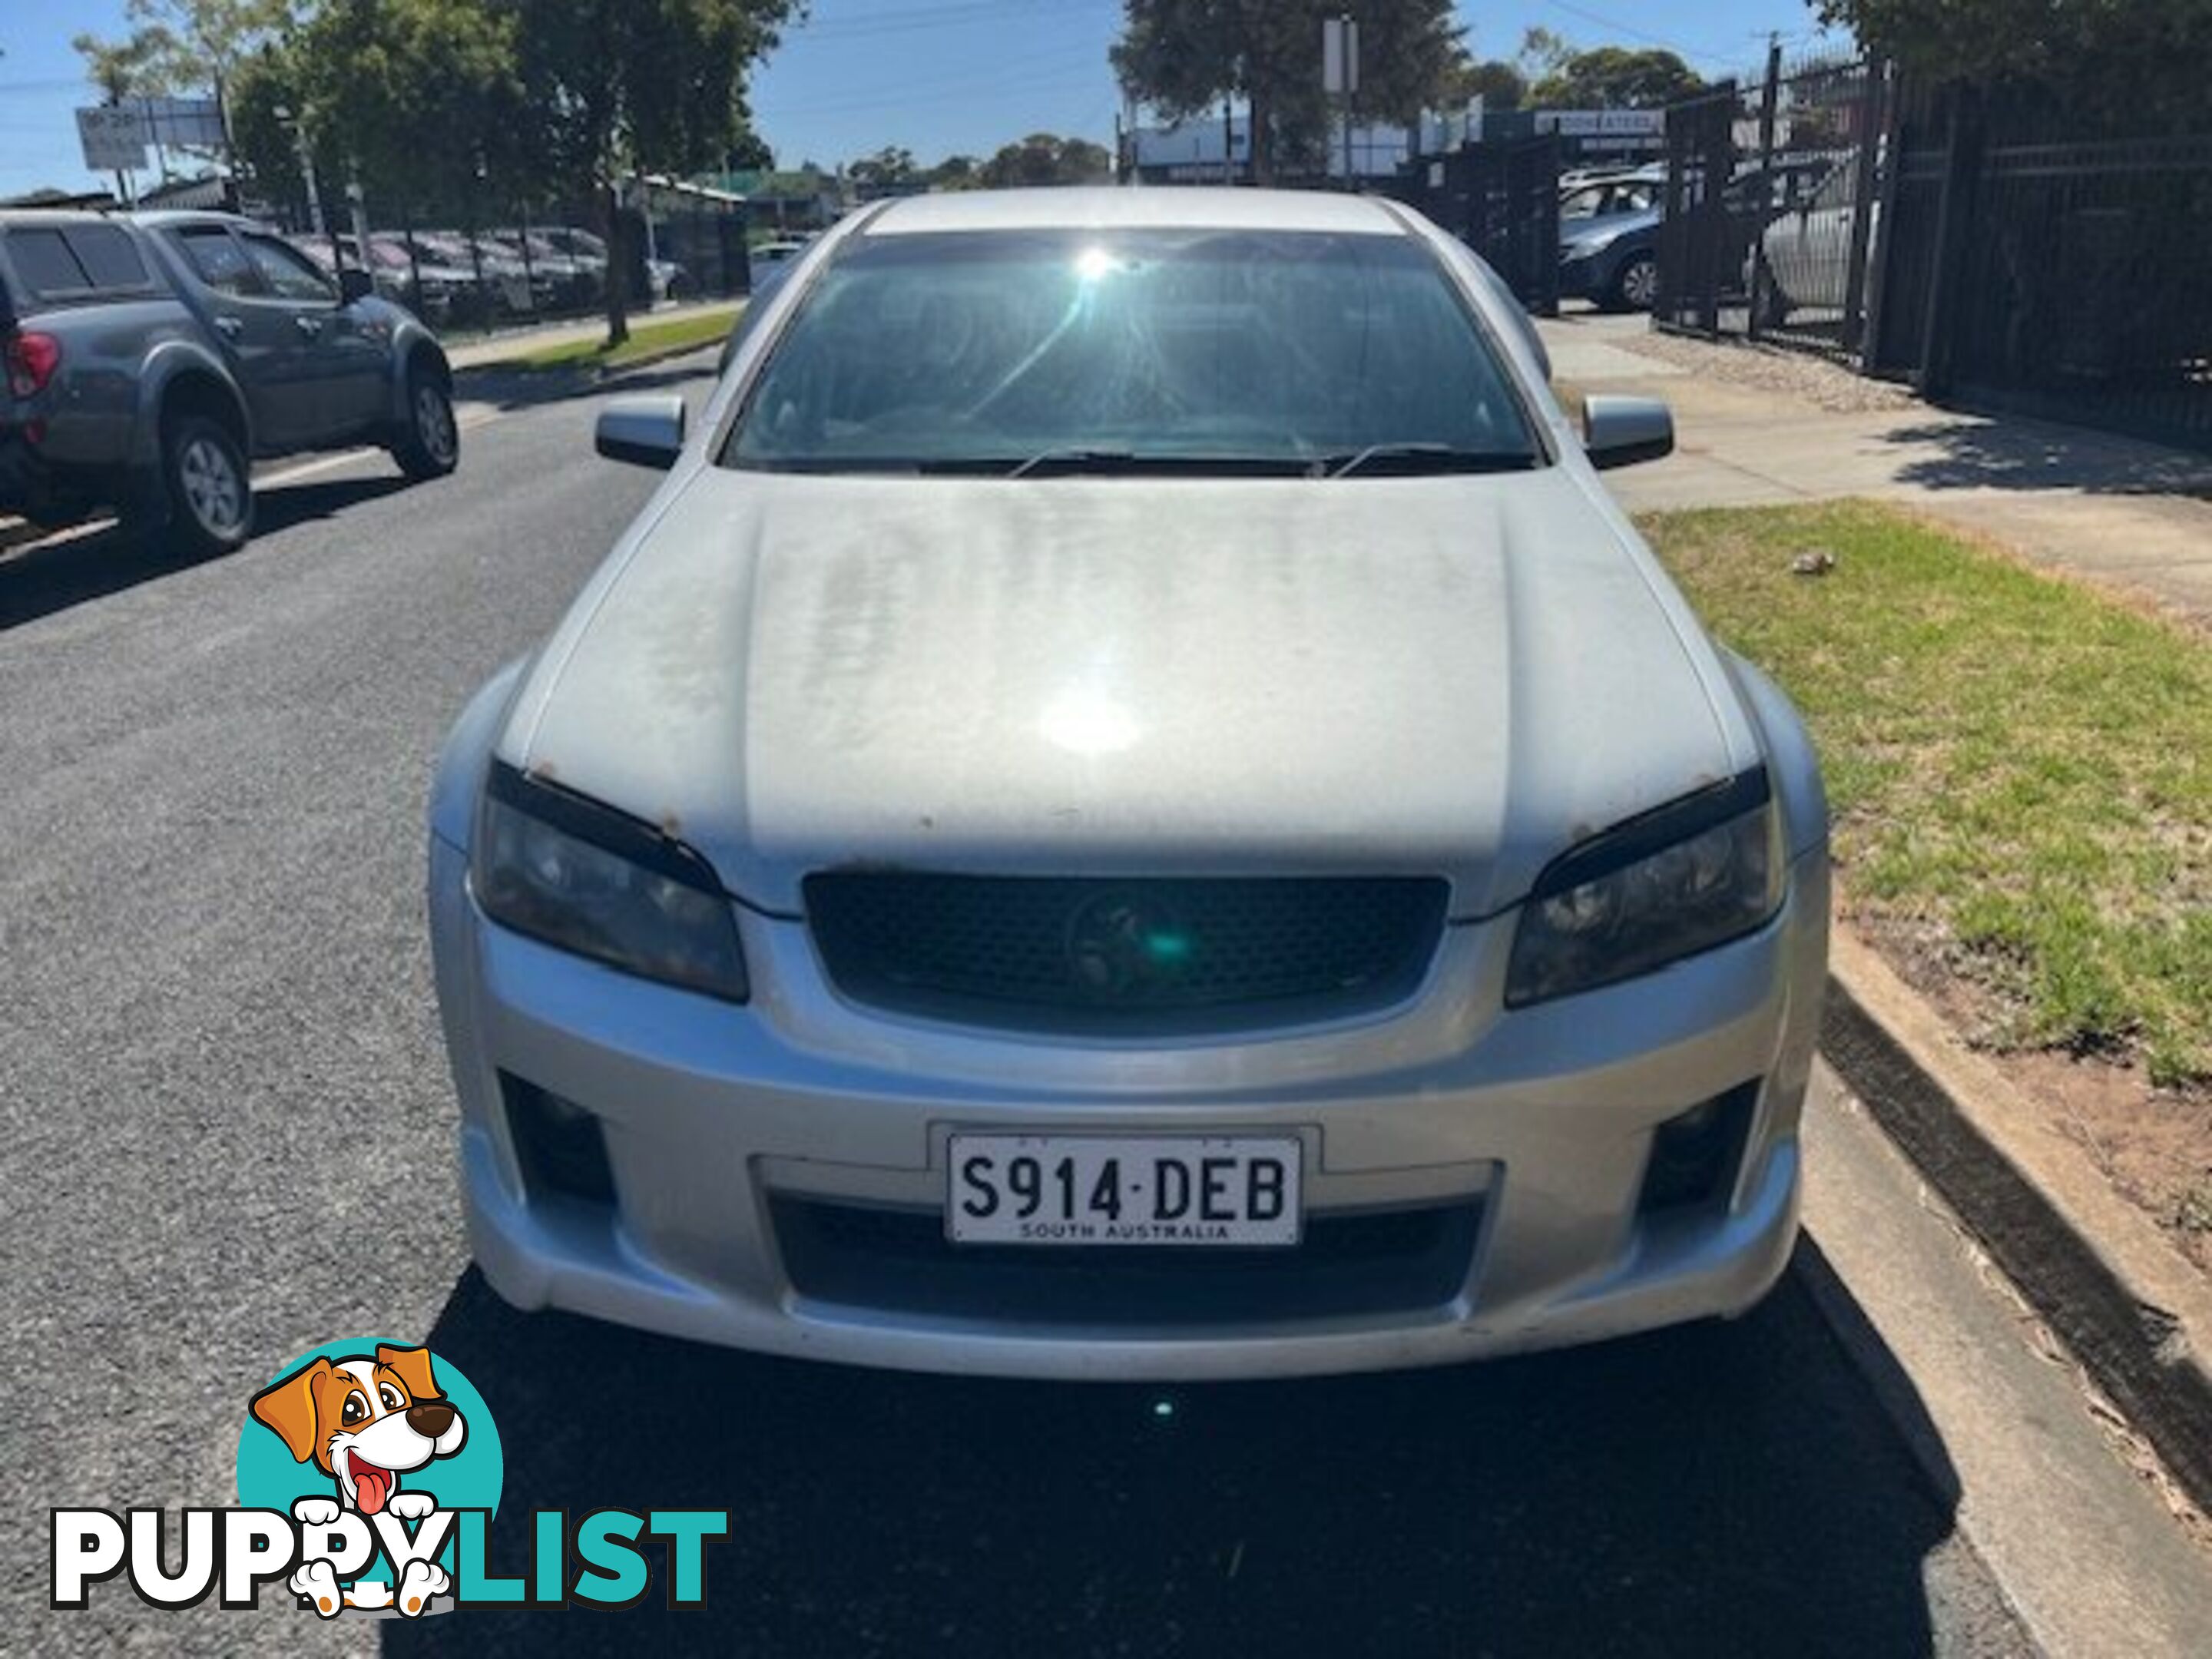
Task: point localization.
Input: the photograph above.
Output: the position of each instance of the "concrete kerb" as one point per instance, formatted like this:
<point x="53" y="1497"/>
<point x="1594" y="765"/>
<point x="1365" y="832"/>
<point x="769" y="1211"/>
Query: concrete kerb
<point x="2135" y="1315"/>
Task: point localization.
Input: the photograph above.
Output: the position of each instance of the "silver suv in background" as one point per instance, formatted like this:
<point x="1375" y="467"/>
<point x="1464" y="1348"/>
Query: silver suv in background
<point x="149" y="359"/>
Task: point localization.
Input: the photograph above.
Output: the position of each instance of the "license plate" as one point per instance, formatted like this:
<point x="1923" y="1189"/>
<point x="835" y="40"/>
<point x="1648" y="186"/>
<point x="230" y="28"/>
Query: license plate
<point x="1123" y="1189"/>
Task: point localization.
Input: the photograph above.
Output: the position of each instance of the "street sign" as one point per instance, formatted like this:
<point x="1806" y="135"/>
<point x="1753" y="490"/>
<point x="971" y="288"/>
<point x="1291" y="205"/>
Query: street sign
<point x="1603" y="123"/>
<point x="1339" y="56"/>
<point x="179" y="122"/>
<point x="113" y="138"/>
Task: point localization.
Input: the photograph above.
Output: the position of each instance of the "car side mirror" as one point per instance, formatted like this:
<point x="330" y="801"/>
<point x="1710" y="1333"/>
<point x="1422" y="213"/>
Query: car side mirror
<point x="645" y="431"/>
<point x="355" y="283"/>
<point x="1622" y="431"/>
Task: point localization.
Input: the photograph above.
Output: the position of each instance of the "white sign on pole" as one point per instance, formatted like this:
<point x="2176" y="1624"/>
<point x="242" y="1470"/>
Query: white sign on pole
<point x="1339" y="56"/>
<point x="113" y="138"/>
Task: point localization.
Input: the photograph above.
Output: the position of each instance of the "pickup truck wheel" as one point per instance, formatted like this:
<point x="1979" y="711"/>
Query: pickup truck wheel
<point x="430" y="444"/>
<point x="210" y="491"/>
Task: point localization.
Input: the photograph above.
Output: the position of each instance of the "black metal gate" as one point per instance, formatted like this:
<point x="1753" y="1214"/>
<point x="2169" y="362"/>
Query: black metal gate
<point x="1985" y="241"/>
<point x="1770" y="208"/>
<point x="1692" y="232"/>
<point x="1503" y="201"/>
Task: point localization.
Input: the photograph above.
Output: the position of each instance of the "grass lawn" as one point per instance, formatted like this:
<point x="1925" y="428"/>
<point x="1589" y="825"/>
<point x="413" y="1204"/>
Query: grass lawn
<point x="647" y="338"/>
<point x="2020" y="770"/>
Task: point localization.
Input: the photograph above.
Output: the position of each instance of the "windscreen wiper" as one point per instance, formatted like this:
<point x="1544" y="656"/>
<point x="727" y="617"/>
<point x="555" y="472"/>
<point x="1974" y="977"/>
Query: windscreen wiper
<point x="1426" y="458"/>
<point x="1076" y="459"/>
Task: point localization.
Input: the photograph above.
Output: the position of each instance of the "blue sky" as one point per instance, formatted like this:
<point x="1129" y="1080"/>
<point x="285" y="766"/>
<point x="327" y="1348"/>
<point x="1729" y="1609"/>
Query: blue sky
<point x="936" y="75"/>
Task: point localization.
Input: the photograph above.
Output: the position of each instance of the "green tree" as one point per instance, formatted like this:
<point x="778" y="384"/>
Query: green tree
<point x="1543" y="51"/>
<point x="749" y="153"/>
<point x="957" y="173"/>
<point x="137" y="66"/>
<point x="179" y="44"/>
<point x="1615" y="77"/>
<point x="1497" y="83"/>
<point x="2118" y="64"/>
<point x="265" y="101"/>
<point x="1184" y="57"/>
<point x="1042" y="158"/>
<point x="416" y="99"/>
<point x="617" y="88"/>
<point x="891" y="168"/>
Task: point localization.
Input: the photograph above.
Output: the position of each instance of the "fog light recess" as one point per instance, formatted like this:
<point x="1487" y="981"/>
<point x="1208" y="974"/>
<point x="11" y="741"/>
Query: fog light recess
<point x="1694" y="1155"/>
<point x="561" y="1147"/>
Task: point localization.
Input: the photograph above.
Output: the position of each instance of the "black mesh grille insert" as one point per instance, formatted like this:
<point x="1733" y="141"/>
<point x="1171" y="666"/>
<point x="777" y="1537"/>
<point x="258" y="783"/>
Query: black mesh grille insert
<point x="1144" y="956"/>
<point x="1349" y="1265"/>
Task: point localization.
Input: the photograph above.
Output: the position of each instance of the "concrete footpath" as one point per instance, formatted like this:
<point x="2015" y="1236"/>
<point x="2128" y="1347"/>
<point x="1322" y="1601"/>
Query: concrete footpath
<point x="2048" y="1489"/>
<point x="2130" y="514"/>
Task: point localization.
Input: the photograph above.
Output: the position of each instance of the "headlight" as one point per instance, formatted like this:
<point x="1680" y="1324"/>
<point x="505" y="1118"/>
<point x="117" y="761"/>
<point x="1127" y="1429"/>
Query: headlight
<point x="592" y="880"/>
<point x="1691" y="875"/>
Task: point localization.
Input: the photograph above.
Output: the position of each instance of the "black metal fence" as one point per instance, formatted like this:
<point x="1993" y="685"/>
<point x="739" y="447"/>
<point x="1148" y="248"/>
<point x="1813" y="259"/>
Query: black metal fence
<point x="1503" y="201"/>
<point x="1987" y="244"/>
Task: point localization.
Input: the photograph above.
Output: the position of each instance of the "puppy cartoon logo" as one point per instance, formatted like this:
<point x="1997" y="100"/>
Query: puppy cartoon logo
<point x="365" y="1421"/>
<point x="371" y="1449"/>
<point x="369" y="1475"/>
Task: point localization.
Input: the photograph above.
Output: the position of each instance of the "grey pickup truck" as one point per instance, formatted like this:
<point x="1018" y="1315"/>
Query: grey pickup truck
<point x="150" y="358"/>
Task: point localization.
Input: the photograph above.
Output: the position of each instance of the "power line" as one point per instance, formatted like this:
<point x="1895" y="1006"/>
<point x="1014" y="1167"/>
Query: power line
<point x="955" y="16"/>
<point x="946" y="92"/>
<point x="1634" y="34"/>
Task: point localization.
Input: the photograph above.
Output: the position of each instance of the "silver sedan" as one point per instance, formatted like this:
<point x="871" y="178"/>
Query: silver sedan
<point x="1132" y="808"/>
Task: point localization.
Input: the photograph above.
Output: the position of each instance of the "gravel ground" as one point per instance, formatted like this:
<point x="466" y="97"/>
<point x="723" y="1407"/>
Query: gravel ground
<point x="1771" y="369"/>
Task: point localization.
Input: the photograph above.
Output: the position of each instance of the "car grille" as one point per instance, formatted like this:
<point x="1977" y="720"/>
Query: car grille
<point x="1137" y="956"/>
<point x="898" y="1261"/>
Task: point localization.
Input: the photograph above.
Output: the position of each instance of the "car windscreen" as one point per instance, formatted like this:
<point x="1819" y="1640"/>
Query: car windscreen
<point x="1236" y="350"/>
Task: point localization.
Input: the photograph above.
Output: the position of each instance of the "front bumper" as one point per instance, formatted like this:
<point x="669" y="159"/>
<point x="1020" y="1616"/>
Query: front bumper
<point x="720" y="1124"/>
<point x="1585" y="277"/>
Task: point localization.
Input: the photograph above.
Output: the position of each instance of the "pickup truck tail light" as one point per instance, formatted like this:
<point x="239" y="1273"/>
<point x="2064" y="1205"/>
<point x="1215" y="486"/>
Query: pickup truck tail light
<point x="31" y="361"/>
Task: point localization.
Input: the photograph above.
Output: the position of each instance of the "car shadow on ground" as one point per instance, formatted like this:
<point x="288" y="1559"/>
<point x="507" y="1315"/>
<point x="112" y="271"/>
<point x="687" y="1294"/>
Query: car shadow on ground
<point x="1720" y="1488"/>
<point x="516" y="388"/>
<point x="51" y="576"/>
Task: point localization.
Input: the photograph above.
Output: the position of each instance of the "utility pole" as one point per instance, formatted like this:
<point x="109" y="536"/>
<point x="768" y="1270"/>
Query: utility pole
<point x="1340" y="74"/>
<point x="306" y="156"/>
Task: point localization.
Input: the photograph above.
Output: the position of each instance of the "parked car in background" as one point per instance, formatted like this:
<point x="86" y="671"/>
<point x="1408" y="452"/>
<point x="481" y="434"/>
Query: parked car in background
<point x="444" y="293"/>
<point x="1609" y="240"/>
<point x="577" y="283"/>
<point x="1609" y="196"/>
<point x="587" y="247"/>
<point x="1800" y="259"/>
<point x="515" y="291"/>
<point x="1083" y="834"/>
<point x="768" y="257"/>
<point x="151" y="358"/>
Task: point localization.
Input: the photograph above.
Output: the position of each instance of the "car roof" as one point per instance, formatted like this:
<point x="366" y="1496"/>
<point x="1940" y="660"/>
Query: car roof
<point x="20" y="217"/>
<point x="155" y="218"/>
<point x="1109" y="207"/>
